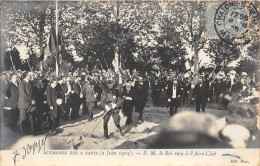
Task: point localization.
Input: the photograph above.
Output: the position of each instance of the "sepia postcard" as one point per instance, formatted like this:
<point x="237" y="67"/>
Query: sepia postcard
<point x="129" y="82"/>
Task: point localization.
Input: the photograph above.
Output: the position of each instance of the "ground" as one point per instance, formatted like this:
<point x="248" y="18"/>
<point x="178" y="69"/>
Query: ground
<point x="79" y="134"/>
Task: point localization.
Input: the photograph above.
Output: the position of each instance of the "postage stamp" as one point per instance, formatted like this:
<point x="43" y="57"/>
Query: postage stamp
<point x="231" y="21"/>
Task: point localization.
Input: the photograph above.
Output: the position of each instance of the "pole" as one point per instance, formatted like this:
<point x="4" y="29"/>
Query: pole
<point x="116" y="58"/>
<point x="100" y="65"/>
<point x="29" y="64"/>
<point x="57" y="41"/>
<point x="106" y="64"/>
<point x="12" y="61"/>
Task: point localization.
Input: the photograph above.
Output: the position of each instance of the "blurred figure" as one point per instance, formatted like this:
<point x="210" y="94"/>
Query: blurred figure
<point x="236" y="136"/>
<point x="242" y="114"/>
<point x="189" y="130"/>
<point x="241" y="130"/>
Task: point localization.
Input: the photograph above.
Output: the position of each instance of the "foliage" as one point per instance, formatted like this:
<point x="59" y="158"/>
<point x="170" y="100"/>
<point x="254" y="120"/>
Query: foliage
<point x="219" y="51"/>
<point x="151" y="36"/>
<point x="249" y="64"/>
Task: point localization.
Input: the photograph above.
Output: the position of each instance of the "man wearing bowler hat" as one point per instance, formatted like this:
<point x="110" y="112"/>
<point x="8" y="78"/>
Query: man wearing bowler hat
<point x="201" y="95"/>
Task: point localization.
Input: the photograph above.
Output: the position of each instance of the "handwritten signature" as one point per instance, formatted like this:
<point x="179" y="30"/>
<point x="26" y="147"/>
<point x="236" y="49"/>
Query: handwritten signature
<point x="30" y="149"/>
<point x="236" y="156"/>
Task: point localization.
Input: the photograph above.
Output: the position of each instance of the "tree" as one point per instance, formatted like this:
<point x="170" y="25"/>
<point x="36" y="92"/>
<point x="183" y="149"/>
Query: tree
<point x="148" y="35"/>
<point x="219" y="52"/>
<point x="100" y="28"/>
<point x="26" y="24"/>
<point x="11" y="58"/>
<point x="249" y="63"/>
<point x="170" y="45"/>
<point x="190" y="20"/>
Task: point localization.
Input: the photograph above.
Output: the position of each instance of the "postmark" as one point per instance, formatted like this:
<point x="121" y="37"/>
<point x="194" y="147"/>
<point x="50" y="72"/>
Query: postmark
<point x="233" y="20"/>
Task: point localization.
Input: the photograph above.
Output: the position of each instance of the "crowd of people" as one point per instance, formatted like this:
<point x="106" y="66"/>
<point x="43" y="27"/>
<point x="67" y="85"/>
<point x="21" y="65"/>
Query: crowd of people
<point x="34" y="97"/>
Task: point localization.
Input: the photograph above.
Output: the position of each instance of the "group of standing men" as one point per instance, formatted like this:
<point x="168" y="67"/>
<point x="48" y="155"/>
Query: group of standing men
<point x="39" y="98"/>
<point x="221" y="88"/>
<point x="35" y="99"/>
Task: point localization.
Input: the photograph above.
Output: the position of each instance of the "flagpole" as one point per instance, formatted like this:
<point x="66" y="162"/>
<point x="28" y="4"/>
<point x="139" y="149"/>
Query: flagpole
<point x="57" y="44"/>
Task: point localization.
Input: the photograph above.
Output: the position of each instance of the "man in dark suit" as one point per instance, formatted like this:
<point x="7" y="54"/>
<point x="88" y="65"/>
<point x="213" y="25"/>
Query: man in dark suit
<point x="76" y="100"/>
<point x="140" y="97"/>
<point x="84" y="104"/>
<point x="156" y="91"/>
<point x="236" y="89"/>
<point x="181" y="85"/>
<point x="218" y="88"/>
<point x="25" y="99"/>
<point x="67" y="88"/>
<point x="38" y="92"/>
<point x="201" y="94"/>
<point x="173" y="95"/>
<point x="61" y="96"/>
<point x="11" y="102"/>
<point x="52" y="103"/>
<point x="128" y="104"/>
<point x="98" y="89"/>
<point x="146" y="86"/>
<point x="90" y="97"/>
<point x="186" y="91"/>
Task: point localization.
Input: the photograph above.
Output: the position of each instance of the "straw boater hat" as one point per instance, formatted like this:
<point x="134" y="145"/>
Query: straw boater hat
<point x="233" y="72"/>
<point x="243" y="74"/>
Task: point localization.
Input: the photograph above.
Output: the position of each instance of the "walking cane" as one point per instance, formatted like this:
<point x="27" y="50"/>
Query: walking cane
<point x="29" y="65"/>
<point x="101" y="119"/>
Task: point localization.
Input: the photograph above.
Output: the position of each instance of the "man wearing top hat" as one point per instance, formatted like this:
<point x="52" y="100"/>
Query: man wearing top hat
<point x="173" y="95"/>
